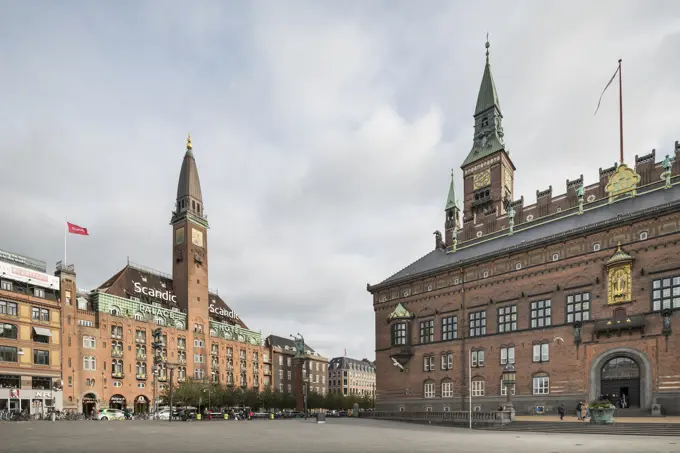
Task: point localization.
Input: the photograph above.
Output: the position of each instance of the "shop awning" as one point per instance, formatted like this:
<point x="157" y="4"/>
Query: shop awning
<point x="42" y="331"/>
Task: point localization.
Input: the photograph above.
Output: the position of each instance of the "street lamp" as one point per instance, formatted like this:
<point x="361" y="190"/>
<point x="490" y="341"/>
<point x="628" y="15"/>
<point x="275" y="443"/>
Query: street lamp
<point x="305" y="386"/>
<point x="171" y="367"/>
<point x="509" y="378"/>
<point x="208" y="390"/>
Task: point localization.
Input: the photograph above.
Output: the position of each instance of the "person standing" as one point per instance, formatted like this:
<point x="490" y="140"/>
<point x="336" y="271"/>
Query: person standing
<point x="560" y="411"/>
<point x="579" y="406"/>
<point x="585" y="411"/>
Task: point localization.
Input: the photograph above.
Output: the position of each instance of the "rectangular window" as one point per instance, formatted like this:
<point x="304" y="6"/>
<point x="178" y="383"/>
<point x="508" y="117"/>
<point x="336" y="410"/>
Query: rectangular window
<point x="666" y="293"/>
<point x="89" y="363"/>
<point x="578" y="307"/>
<point x="447" y="361"/>
<point x="427" y="331"/>
<point x="8" y="308"/>
<point x="8" y="354"/>
<point x="398" y="334"/>
<point x="449" y="328"/>
<point x="290" y="388"/>
<point x="478" y="388"/>
<point x="507" y="319"/>
<point x="508" y="355"/>
<point x="89" y="342"/>
<point x="428" y="363"/>
<point x="280" y="360"/>
<point x="280" y="374"/>
<point x="447" y="389"/>
<point x="477" y="323"/>
<point x="39" y="292"/>
<point x="288" y="361"/>
<point x="541" y="314"/>
<point x="477" y="358"/>
<point x="541" y="385"/>
<point x="41" y="357"/>
<point x="288" y="375"/>
<point x="541" y="352"/>
<point x="35" y="314"/>
<point x="429" y="390"/>
<point x="5" y="285"/>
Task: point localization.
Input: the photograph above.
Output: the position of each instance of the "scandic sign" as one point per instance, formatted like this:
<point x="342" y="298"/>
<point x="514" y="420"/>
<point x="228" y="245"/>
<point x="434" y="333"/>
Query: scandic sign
<point x="168" y="296"/>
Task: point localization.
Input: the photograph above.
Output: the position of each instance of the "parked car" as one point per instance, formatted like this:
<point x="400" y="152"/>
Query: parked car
<point x="110" y="414"/>
<point x="164" y="414"/>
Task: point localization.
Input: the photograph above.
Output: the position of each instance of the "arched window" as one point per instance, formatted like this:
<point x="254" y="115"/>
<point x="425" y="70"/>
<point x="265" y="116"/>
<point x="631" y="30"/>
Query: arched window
<point x="213" y="333"/>
<point x="447" y="388"/>
<point x="447" y="360"/>
<point x="478" y="387"/>
<point x="541" y="384"/>
<point x="139" y="316"/>
<point x="115" y="311"/>
<point x="8" y="331"/>
<point x="620" y="368"/>
<point x="159" y="320"/>
<point x="180" y="325"/>
<point x="428" y="389"/>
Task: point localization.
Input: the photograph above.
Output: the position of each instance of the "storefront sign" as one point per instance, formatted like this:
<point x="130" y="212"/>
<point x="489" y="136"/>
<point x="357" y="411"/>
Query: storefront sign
<point x="141" y="399"/>
<point x="43" y="394"/>
<point x="32" y="277"/>
<point x="89" y="400"/>
<point x="222" y="311"/>
<point x="155" y="293"/>
<point x="117" y="399"/>
<point x="14" y="393"/>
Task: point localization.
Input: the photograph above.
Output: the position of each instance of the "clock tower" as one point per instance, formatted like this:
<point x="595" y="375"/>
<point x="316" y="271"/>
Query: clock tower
<point x="190" y="253"/>
<point x="488" y="171"/>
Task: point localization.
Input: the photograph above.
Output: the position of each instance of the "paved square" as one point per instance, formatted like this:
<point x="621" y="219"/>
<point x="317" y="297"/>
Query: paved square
<point x="284" y="436"/>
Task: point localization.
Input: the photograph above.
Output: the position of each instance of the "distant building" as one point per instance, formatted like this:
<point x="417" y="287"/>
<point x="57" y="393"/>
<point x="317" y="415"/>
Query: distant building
<point x="282" y="352"/>
<point x="351" y="376"/>
<point x="30" y="338"/>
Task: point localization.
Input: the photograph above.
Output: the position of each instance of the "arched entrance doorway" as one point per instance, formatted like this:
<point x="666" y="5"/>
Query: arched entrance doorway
<point x="117" y="402"/>
<point x="620" y="381"/>
<point x="89" y="404"/>
<point x="141" y="405"/>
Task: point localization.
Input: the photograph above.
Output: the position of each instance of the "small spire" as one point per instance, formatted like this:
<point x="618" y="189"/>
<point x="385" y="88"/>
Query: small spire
<point x="189" y="147"/>
<point x="451" y="199"/>
<point x="619" y="247"/>
<point x="487" y="45"/>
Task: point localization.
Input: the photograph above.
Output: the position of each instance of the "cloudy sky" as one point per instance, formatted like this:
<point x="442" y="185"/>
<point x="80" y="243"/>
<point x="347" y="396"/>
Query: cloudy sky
<point x="324" y="132"/>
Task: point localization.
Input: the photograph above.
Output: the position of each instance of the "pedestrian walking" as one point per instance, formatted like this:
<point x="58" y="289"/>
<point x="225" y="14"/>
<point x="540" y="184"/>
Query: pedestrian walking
<point x="560" y="411"/>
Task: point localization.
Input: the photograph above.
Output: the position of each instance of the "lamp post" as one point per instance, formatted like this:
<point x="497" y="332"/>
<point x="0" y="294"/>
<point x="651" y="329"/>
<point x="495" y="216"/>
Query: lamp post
<point x="171" y="367"/>
<point x="305" y="386"/>
<point x="208" y="390"/>
<point x="509" y="377"/>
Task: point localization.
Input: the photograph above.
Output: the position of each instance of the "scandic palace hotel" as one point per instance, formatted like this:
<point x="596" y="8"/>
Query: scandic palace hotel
<point x="579" y="291"/>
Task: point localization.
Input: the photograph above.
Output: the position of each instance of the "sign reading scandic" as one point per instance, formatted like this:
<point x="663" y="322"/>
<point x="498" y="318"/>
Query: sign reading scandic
<point x="167" y="295"/>
<point x="35" y="278"/>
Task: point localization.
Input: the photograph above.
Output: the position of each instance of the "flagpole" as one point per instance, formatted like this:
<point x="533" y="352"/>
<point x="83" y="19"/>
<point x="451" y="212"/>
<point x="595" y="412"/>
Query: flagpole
<point x="65" y="236"/>
<point x="620" y="111"/>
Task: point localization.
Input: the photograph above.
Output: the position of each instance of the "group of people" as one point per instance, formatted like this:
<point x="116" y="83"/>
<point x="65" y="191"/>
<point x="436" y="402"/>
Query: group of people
<point x="582" y="411"/>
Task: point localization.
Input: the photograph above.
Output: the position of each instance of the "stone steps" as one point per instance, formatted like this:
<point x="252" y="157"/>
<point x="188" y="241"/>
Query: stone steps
<point x="632" y="429"/>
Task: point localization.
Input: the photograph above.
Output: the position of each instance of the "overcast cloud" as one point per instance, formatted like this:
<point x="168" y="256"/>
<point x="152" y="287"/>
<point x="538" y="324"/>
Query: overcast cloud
<point x="323" y="132"/>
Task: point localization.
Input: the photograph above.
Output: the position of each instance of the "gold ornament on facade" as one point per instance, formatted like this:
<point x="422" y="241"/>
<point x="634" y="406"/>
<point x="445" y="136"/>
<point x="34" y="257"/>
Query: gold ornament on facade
<point x="619" y="277"/>
<point x="623" y="181"/>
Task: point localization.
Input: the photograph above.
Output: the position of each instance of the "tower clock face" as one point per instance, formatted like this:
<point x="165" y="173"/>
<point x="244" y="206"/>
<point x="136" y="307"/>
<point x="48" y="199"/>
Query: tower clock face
<point x="179" y="236"/>
<point x="197" y="237"/>
<point x="481" y="179"/>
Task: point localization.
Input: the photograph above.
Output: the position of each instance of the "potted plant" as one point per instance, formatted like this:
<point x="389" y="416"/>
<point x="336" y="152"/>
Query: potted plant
<point x="601" y="412"/>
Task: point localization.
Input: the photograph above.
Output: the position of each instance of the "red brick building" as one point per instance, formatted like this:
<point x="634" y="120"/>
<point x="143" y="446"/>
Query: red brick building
<point x="108" y="358"/>
<point x="577" y="290"/>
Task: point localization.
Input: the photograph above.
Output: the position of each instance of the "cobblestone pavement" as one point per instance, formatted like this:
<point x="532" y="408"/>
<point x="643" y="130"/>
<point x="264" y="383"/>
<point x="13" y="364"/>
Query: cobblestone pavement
<point x="283" y="436"/>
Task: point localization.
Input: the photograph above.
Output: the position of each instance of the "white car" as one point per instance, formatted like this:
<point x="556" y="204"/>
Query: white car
<point x="110" y="414"/>
<point x="164" y="414"/>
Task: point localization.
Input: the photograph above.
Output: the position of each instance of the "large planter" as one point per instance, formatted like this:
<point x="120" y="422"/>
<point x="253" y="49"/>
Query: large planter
<point x="602" y="416"/>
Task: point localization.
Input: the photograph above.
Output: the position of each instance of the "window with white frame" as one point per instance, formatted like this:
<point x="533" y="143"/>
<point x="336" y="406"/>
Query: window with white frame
<point x="504" y="388"/>
<point x="288" y="374"/>
<point x="541" y="352"/>
<point x="447" y="408"/>
<point x="644" y="235"/>
<point x="541" y="384"/>
<point x="477" y="358"/>
<point x="541" y="313"/>
<point x="428" y="363"/>
<point x="427" y="331"/>
<point x="89" y="342"/>
<point x="447" y="361"/>
<point x="556" y="256"/>
<point x="428" y="408"/>
<point x="578" y="307"/>
<point x="280" y="360"/>
<point x="447" y="389"/>
<point x="507" y="355"/>
<point x="477" y="387"/>
<point x="596" y="247"/>
<point x="89" y="363"/>
<point x="429" y="389"/>
<point x="665" y="293"/>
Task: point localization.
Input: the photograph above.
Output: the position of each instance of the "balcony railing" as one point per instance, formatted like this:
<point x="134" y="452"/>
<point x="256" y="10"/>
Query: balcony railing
<point x="117" y="374"/>
<point x="162" y="379"/>
<point x="116" y="353"/>
<point x="117" y="336"/>
<point x="141" y="376"/>
<point x="141" y="340"/>
<point x="141" y="356"/>
<point x="181" y="379"/>
<point x="181" y="346"/>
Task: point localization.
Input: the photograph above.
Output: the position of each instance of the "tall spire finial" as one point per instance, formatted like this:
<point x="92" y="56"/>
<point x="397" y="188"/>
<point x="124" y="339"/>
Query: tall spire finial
<point x="452" y="174"/>
<point x="487" y="45"/>
<point x="189" y="147"/>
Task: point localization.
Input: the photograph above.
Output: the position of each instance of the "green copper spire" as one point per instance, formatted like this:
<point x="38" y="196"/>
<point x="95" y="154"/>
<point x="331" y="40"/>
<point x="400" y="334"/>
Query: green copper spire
<point x="488" y="118"/>
<point x="451" y="199"/>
